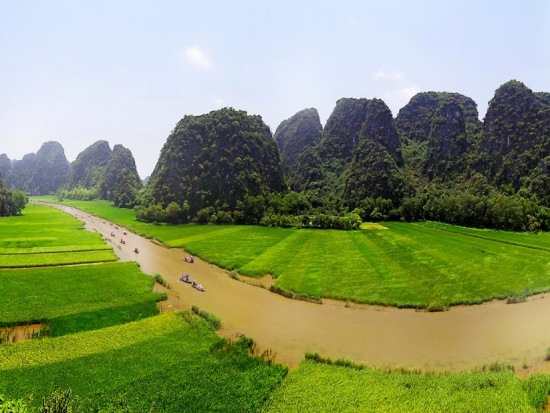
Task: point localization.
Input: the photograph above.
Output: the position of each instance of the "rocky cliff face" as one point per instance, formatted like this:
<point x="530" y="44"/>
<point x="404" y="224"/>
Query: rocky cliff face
<point x="89" y="166"/>
<point x="320" y="168"/>
<point x="5" y="169"/>
<point x="447" y="141"/>
<point x="51" y="167"/>
<point x="516" y="133"/>
<point x="414" y="120"/>
<point x="120" y="171"/>
<point x="22" y="172"/>
<point x="38" y="174"/>
<point x="357" y="156"/>
<point x="294" y="136"/>
<point x="341" y="133"/>
<point x="445" y="126"/>
<point x="374" y="170"/>
<point x="217" y="159"/>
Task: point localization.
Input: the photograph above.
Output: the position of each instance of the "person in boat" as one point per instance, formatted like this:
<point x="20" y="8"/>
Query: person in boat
<point x="136" y="250"/>
<point x="185" y="278"/>
<point x="122" y="241"/>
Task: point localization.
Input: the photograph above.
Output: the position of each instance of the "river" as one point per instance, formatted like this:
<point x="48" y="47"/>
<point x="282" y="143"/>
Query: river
<point x="461" y="338"/>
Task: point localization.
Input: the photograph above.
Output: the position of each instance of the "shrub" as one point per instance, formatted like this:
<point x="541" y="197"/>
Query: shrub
<point x="514" y="299"/>
<point x="60" y="401"/>
<point x="434" y="306"/>
<point x="211" y="318"/>
<point x="204" y="215"/>
<point x="160" y="279"/>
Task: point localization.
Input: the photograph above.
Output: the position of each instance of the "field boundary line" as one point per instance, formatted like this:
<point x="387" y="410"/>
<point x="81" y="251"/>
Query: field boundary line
<point x="516" y="244"/>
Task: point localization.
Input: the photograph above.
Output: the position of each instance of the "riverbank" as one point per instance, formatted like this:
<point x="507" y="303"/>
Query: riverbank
<point x="460" y="339"/>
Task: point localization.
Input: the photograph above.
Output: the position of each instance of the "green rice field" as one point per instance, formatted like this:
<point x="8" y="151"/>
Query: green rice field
<point x="116" y="356"/>
<point x="406" y="265"/>
<point x="318" y="387"/>
<point x="37" y="285"/>
<point x="76" y="298"/>
<point x="45" y="237"/>
<point x="105" y="339"/>
<point x="167" y="363"/>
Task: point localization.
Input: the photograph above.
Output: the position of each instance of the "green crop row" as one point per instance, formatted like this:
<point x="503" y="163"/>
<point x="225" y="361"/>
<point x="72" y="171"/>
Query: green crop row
<point x="56" y="258"/>
<point x="166" y="363"/>
<point x="45" y="236"/>
<point x="76" y="298"/>
<point x="173" y="363"/>
<point x="409" y="265"/>
<point x="319" y="387"/>
<point x="54" y="249"/>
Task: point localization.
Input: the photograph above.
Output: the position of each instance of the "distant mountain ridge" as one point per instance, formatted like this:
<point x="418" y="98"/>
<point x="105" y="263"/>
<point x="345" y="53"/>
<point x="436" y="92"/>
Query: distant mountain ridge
<point x="112" y="174"/>
<point x="36" y="174"/>
<point x="434" y="160"/>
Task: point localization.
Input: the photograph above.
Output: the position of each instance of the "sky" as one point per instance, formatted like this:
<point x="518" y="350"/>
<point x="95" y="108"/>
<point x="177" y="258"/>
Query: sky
<point x="127" y="71"/>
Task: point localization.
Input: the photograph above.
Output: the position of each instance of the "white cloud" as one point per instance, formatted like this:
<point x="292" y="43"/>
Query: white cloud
<point x="407" y="93"/>
<point x="196" y="56"/>
<point x="398" y="98"/>
<point x="382" y="74"/>
<point x="219" y="102"/>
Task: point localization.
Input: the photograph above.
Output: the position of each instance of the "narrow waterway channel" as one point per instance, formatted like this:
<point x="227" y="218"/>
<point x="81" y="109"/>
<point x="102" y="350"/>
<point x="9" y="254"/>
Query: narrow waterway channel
<point x="459" y="339"/>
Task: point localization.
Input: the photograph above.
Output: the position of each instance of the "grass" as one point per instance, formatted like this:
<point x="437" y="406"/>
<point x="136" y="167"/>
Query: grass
<point x="67" y="298"/>
<point x="76" y="298"/>
<point x="320" y="387"/>
<point x="407" y="265"/>
<point x="107" y="343"/>
<point x="174" y="362"/>
<point x="45" y="236"/>
<point x="166" y="363"/>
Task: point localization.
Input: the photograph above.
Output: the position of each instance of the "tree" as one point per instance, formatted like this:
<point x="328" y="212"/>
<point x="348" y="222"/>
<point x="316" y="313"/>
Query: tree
<point x="19" y="200"/>
<point x="173" y="213"/>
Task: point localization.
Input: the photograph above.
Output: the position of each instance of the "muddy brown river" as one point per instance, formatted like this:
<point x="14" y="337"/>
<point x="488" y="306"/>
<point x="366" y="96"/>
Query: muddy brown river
<point x="461" y="338"/>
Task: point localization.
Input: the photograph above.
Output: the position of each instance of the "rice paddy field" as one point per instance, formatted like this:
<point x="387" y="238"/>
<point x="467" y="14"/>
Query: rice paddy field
<point x="403" y="265"/>
<point x="176" y="362"/>
<point x="102" y="335"/>
<point x="319" y="387"/>
<point x="43" y="238"/>
<point x="76" y="298"/>
<point x="168" y="363"/>
<point x="37" y="284"/>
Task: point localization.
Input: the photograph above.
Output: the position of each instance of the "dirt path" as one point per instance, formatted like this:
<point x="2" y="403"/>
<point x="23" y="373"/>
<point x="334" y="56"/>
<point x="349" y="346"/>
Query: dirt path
<point x="461" y="338"/>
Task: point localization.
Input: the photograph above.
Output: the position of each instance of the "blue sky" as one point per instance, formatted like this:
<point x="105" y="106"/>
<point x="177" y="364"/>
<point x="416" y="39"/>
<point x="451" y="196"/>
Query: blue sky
<point x="128" y="71"/>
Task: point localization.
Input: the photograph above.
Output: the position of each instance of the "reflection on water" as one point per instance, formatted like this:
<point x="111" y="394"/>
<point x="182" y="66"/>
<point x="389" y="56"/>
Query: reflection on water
<point x="15" y="334"/>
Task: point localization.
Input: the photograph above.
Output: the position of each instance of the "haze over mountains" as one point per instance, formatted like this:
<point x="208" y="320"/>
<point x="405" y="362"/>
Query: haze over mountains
<point x="425" y="163"/>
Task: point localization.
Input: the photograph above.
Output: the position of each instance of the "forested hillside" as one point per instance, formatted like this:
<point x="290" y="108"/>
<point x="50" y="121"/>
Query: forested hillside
<point x="120" y="182"/>
<point x="516" y="138"/>
<point x="36" y="174"/>
<point x="293" y="135"/>
<point x="225" y="161"/>
<point x="99" y="172"/>
<point x="90" y="165"/>
<point x="434" y="160"/>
